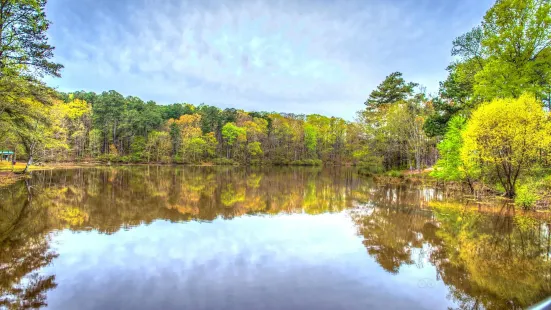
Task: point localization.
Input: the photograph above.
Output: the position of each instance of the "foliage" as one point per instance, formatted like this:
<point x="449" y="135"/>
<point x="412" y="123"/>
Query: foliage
<point x="505" y="137"/>
<point x="394" y="131"/>
<point x="516" y="40"/>
<point x="450" y="166"/>
<point x="254" y="149"/>
<point x="393" y="89"/>
<point x="507" y="55"/>
<point x="526" y="196"/>
<point x="394" y="174"/>
<point x="24" y="42"/>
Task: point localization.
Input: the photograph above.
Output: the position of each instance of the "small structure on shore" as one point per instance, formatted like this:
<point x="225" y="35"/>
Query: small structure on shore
<point x="6" y="155"/>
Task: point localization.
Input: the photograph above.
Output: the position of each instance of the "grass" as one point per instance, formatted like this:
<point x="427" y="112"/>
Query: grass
<point x="20" y="166"/>
<point x="6" y="166"/>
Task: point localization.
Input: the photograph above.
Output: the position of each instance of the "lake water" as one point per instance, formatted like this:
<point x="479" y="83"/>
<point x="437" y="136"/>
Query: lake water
<point x="160" y="237"/>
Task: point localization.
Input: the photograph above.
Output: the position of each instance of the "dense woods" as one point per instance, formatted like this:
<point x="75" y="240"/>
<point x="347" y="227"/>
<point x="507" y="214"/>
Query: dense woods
<point x="488" y="124"/>
<point x="111" y="127"/>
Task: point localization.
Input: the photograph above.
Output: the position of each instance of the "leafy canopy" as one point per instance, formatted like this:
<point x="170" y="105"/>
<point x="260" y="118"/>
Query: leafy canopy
<point x="393" y="89"/>
<point x="506" y="137"/>
<point x="24" y="48"/>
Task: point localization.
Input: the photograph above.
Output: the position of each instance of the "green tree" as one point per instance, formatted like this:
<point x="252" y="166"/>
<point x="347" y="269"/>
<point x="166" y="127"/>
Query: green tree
<point x="196" y="146"/>
<point x="158" y="146"/>
<point x="35" y="130"/>
<point x="310" y="138"/>
<point x="450" y="166"/>
<point x="107" y="116"/>
<point x="254" y="149"/>
<point x="232" y="133"/>
<point x="24" y="48"/>
<point x="393" y="89"/>
<point x="517" y="43"/>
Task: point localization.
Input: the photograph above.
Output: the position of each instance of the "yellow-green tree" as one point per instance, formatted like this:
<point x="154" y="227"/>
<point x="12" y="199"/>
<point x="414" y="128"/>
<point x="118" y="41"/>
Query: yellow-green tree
<point x="505" y="137"/>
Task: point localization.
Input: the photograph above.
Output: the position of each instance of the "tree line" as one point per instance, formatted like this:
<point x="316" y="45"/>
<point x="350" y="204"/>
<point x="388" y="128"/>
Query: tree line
<point x="111" y="127"/>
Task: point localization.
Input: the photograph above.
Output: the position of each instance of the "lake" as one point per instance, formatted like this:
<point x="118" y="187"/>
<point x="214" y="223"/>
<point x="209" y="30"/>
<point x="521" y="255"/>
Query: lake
<point x="162" y="237"/>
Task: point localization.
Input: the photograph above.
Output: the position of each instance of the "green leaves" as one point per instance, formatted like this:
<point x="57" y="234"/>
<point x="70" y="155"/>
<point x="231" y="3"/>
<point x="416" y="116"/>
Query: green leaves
<point x="450" y="165"/>
<point x="392" y="89"/>
<point x="24" y="48"/>
<point x="511" y="50"/>
<point x="232" y="133"/>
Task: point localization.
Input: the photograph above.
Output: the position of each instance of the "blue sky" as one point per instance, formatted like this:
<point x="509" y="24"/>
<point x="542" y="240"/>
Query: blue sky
<point x="288" y="56"/>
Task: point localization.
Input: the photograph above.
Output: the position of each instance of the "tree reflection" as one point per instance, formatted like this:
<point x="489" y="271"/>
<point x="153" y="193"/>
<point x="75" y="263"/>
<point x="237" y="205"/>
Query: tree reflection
<point x="24" y="249"/>
<point x="107" y="199"/>
<point x="487" y="261"/>
<point x="494" y="261"/>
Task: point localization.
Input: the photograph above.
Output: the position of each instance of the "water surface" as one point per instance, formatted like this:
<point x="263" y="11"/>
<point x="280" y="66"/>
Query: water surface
<point x="159" y="237"/>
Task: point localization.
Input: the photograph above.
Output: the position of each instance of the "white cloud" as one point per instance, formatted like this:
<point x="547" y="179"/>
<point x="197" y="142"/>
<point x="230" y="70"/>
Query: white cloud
<point x="288" y="56"/>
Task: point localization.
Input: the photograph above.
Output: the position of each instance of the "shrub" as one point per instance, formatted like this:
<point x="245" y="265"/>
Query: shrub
<point x="546" y="182"/>
<point x="526" y="197"/>
<point x="125" y="159"/>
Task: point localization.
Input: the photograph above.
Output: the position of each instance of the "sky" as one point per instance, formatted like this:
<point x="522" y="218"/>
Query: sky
<point x="296" y="56"/>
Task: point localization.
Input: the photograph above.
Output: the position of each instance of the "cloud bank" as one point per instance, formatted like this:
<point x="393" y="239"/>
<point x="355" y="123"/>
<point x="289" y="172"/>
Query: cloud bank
<point x="286" y="56"/>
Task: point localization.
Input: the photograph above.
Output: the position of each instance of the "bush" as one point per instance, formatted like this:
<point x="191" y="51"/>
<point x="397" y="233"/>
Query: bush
<point x="526" y="197"/>
<point x="136" y="158"/>
<point x="281" y="162"/>
<point x="312" y="162"/>
<point x="125" y="159"/>
<point x="104" y="158"/>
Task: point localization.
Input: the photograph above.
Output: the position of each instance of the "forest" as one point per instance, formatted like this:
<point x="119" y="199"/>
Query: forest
<point x="487" y="126"/>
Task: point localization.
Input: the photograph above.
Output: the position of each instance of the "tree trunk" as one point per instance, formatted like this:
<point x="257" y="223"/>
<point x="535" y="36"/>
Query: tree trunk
<point x="29" y="163"/>
<point x="471" y="187"/>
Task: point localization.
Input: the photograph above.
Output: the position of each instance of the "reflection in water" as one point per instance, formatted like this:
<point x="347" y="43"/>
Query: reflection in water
<point x="24" y="248"/>
<point x="482" y="261"/>
<point x="487" y="262"/>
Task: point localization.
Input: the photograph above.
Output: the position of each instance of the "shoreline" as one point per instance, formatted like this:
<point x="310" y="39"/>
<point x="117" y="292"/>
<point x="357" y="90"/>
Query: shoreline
<point x="484" y="194"/>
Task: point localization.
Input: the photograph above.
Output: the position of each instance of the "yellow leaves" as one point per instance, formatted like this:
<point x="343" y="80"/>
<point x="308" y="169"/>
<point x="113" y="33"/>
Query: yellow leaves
<point x="73" y="216"/>
<point x="230" y="196"/>
<point x="189" y="125"/>
<point x="257" y="128"/>
<point x="510" y="131"/>
<point x="77" y="108"/>
<point x="525" y="223"/>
